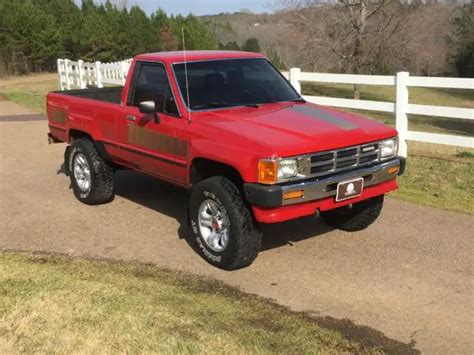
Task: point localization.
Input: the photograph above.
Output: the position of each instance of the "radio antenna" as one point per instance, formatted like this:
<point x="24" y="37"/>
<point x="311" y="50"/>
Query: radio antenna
<point x="186" y="75"/>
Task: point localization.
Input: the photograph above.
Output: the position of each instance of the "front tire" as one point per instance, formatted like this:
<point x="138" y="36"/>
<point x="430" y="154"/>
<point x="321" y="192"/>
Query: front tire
<point x="356" y="217"/>
<point x="92" y="179"/>
<point x="223" y="230"/>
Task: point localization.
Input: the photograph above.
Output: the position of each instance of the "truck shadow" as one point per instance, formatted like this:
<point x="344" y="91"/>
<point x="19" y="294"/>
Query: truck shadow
<point x="172" y="201"/>
<point x="288" y="233"/>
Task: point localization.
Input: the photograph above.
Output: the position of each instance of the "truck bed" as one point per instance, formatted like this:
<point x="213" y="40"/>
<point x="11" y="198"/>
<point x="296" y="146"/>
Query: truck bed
<point x="109" y="94"/>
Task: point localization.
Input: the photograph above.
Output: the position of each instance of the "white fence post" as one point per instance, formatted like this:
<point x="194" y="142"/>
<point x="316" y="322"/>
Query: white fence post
<point x="80" y="66"/>
<point x="295" y="79"/>
<point x="98" y="74"/>
<point x="123" y="74"/>
<point x="401" y="109"/>
<point x="66" y="73"/>
<point x="60" y="85"/>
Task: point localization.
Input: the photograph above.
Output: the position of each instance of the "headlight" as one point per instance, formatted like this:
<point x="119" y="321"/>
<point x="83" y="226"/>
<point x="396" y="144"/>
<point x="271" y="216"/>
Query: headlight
<point x="272" y="171"/>
<point x="287" y="168"/>
<point x="389" y="148"/>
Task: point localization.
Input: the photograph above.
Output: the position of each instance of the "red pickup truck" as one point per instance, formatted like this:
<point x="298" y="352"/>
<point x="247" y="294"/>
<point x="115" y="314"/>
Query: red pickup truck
<point x="229" y="128"/>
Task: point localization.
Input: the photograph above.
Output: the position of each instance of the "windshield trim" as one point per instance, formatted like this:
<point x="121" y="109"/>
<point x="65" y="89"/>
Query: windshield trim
<point x="228" y="107"/>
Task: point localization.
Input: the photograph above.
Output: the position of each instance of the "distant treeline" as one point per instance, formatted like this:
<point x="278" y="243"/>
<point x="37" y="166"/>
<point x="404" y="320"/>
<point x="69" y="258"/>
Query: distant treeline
<point x="34" y="33"/>
<point x="426" y="41"/>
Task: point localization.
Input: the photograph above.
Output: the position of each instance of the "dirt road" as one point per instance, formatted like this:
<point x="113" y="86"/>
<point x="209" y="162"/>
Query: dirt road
<point x="409" y="276"/>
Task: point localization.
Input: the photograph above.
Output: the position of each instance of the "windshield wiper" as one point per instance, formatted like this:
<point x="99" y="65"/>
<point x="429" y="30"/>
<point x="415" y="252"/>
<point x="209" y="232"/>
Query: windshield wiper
<point x="299" y="99"/>
<point x="215" y="104"/>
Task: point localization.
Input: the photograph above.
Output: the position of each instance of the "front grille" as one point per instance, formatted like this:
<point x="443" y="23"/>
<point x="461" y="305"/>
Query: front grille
<point x="335" y="161"/>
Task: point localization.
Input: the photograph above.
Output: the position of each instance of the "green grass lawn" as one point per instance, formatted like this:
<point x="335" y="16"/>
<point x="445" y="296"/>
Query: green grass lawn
<point x="30" y="94"/>
<point x="52" y="304"/>
<point x="441" y="177"/>
<point x="32" y="100"/>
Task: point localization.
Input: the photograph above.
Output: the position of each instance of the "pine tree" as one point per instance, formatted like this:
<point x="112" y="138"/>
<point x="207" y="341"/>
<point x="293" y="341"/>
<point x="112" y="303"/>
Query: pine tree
<point x="230" y="46"/>
<point x="251" y="45"/>
<point x="34" y="33"/>
<point x="197" y="34"/>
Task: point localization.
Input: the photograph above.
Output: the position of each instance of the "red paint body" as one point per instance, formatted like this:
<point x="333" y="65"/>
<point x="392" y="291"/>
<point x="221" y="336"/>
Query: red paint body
<point x="238" y="136"/>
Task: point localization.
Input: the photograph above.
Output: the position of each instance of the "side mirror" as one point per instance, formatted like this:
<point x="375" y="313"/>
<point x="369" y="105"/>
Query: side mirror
<point x="149" y="107"/>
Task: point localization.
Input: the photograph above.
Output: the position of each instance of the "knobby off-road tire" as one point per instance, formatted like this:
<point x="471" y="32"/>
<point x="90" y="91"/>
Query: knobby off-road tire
<point x="244" y="238"/>
<point x="101" y="189"/>
<point x="355" y="218"/>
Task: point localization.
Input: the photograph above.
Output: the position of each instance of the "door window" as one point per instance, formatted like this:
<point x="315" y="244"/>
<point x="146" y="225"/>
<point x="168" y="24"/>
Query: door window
<point x="152" y="85"/>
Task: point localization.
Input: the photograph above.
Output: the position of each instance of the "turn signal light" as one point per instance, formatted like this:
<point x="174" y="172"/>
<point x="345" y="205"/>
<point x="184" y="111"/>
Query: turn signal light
<point x="393" y="169"/>
<point x="267" y="171"/>
<point x="293" y="194"/>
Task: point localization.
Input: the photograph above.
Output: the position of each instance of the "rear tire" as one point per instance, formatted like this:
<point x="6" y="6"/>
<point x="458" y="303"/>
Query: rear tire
<point x="355" y="218"/>
<point x="223" y="230"/>
<point x="92" y="179"/>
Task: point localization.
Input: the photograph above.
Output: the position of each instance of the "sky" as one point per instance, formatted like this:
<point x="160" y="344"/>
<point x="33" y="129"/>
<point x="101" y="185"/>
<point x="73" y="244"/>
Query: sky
<point x="198" y="7"/>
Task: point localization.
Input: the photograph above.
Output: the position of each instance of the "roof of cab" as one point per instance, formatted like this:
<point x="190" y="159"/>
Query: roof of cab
<point x="192" y="56"/>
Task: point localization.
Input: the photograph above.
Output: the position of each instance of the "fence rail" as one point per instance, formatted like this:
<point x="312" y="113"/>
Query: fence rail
<point x="80" y="74"/>
<point x="401" y="107"/>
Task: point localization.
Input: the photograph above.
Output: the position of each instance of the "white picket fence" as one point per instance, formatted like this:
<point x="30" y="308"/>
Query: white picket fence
<point x="80" y="74"/>
<point x="401" y="107"/>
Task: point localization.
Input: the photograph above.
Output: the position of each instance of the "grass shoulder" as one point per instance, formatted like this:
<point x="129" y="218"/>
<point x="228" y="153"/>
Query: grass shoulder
<point x="439" y="176"/>
<point x="58" y="304"/>
<point x="30" y="91"/>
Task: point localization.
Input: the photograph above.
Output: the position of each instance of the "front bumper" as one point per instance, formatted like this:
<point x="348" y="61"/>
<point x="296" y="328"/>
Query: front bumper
<point x="272" y="196"/>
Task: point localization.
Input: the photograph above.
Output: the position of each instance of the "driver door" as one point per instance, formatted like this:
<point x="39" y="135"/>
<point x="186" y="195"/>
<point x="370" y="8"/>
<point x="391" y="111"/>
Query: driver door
<point x="153" y="143"/>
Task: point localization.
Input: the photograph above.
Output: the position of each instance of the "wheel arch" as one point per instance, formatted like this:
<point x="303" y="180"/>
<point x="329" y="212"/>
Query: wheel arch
<point x="74" y="134"/>
<point x="204" y="168"/>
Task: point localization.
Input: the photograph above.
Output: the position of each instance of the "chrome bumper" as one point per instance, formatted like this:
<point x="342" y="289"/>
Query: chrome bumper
<point x="272" y="196"/>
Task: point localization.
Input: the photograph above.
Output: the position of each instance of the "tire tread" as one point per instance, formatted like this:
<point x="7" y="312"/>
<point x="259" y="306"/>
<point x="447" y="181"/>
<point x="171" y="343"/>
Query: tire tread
<point x="249" y="240"/>
<point x="102" y="190"/>
<point x="363" y="215"/>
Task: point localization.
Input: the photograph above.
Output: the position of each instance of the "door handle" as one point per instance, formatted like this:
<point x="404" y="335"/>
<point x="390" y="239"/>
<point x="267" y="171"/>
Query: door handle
<point x="131" y="118"/>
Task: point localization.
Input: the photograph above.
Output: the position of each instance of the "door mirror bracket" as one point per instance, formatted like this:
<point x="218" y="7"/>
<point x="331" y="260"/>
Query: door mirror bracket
<point x="149" y="107"/>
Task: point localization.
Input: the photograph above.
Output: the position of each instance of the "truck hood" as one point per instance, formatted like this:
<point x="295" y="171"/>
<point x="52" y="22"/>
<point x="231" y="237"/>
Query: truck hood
<point x="297" y="128"/>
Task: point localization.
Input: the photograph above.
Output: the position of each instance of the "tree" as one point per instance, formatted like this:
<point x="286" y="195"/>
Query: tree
<point x="251" y="45"/>
<point x="29" y="36"/>
<point x="356" y="33"/>
<point x="67" y="17"/>
<point x="277" y="61"/>
<point x="196" y="33"/>
<point x="121" y="4"/>
<point x="462" y="42"/>
<point x="163" y="27"/>
<point x="34" y="33"/>
<point x="230" y="46"/>
<point x="142" y="36"/>
<point x="97" y="37"/>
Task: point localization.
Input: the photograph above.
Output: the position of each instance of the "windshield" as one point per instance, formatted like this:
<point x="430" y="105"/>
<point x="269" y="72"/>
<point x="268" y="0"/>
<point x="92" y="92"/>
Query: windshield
<point x="232" y="82"/>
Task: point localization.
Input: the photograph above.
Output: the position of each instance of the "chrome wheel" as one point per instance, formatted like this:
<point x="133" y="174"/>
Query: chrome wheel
<point x="214" y="225"/>
<point x="82" y="172"/>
